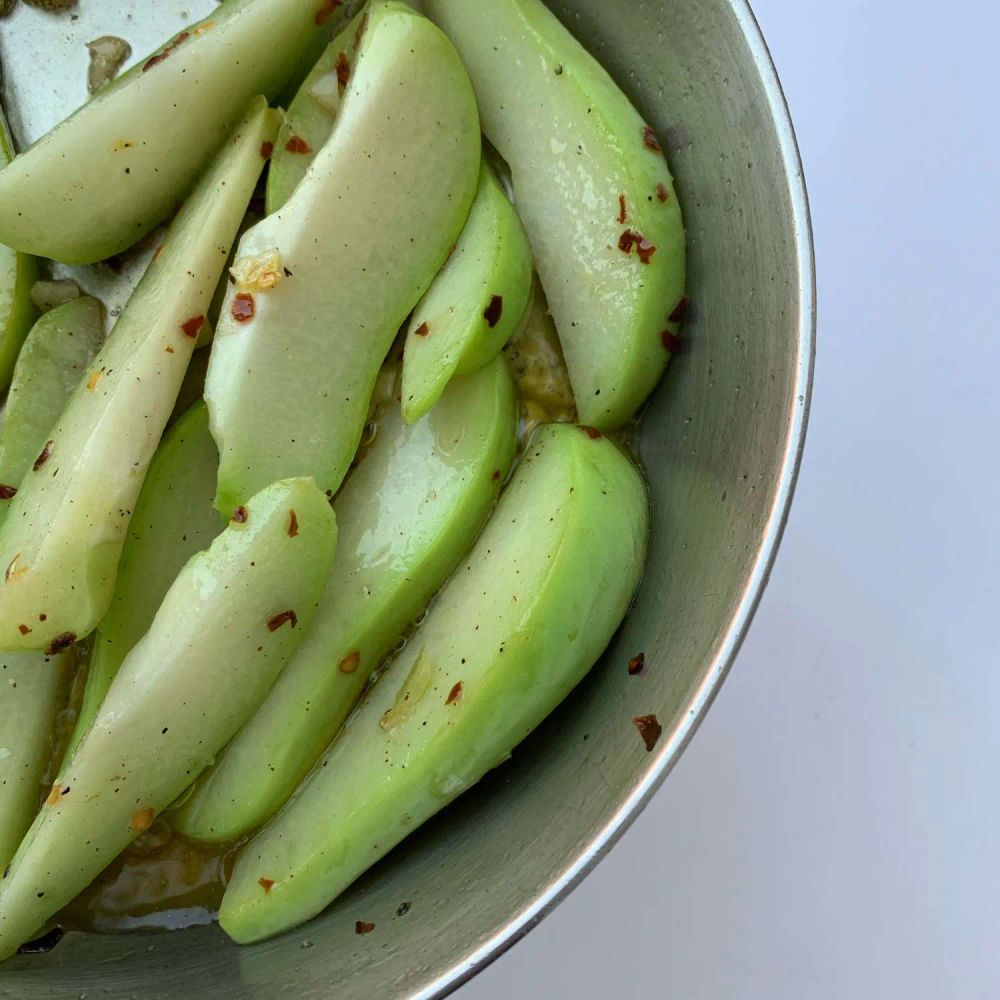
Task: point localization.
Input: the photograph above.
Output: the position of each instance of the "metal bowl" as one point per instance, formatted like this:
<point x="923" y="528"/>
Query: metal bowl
<point x="721" y="443"/>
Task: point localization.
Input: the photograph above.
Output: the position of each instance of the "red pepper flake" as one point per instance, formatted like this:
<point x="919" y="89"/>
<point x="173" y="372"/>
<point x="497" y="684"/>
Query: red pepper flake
<point x="275" y="622"/>
<point x="494" y="311"/>
<point x="650" y="141"/>
<point x="243" y="308"/>
<point x="455" y="695"/>
<point x="592" y="432"/>
<point x="422" y="331"/>
<point x="62" y="641"/>
<point x="168" y="349"/>
<point x="23" y="629"/>
<point x="643" y="247"/>
<point x="343" y="70"/>
<point x="266" y="149"/>
<point x="680" y="311"/>
<point x="192" y="327"/>
<point x="7" y="492"/>
<point x="670" y="341"/>
<point x="43" y="618"/>
<point x="54" y="796"/>
<point x="637" y="664"/>
<point x="327" y="11"/>
<point x="359" y="34"/>
<point x="142" y="820"/>
<point x="363" y="927"/>
<point x="293" y="524"/>
<point x="296" y="144"/>
<point x="44" y="456"/>
<point x="649" y="729"/>
<point x="350" y="662"/>
<point x="241" y="515"/>
<point x="622" y="210"/>
<point x="266" y="884"/>
<point x="169" y="50"/>
<point x="496" y="475"/>
<point x="662" y="193"/>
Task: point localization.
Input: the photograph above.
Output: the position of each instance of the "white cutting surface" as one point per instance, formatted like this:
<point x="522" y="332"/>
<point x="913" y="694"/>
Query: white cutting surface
<point x="834" y="830"/>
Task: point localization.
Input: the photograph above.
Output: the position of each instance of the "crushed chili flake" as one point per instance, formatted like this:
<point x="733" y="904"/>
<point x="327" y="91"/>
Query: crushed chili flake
<point x="650" y="141"/>
<point x="680" y="311"/>
<point x="422" y="331"/>
<point x="241" y="515"/>
<point x="94" y="379"/>
<point x="62" y="641"/>
<point x="7" y="492"/>
<point x="54" y="796"/>
<point x="44" y="456"/>
<point x="494" y="311"/>
<point x="455" y="695"/>
<point x="670" y="341"/>
<point x="192" y="327"/>
<point x="622" y="210"/>
<point x="649" y="729"/>
<point x="293" y="524"/>
<point x="327" y="11"/>
<point x="350" y="662"/>
<point x="592" y="432"/>
<point x="276" y="621"/>
<point x="142" y="820"/>
<point x="363" y="927"/>
<point x="343" y="70"/>
<point x="23" y="629"/>
<point x="169" y="349"/>
<point x="359" y="34"/>
<point x="243" y="308"/>
<point x="630" y="239"/>
<point x="662" y="193"/>
<point x="637" y="664"/>
<point x="266" y="149"/>
<point x="43" y="617"/>
<point x="169" y="50"/>
<point x="266" y="884"/>
<point x="296" y="144"/>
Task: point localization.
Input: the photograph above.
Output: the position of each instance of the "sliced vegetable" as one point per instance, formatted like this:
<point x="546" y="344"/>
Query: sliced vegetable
<point x="226" y="628"/>
<point x="173" y="520"/>
<point x="407" y="515"/>
<point x="33" y="690"/>
<point x="55" y="356"/>
<point x="18" y="272"/>
<point x="63" y="536"/>
<point x="119" y="165"/>
<point x="323" y="285"/>
<point x="312" y="113"/>
<point x="475" y="303"/>
<point x="592" y="185"/>
<point x="508" y="638"/>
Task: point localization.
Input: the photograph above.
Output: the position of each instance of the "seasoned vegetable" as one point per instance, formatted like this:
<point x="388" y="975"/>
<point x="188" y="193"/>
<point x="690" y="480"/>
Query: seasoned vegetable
<point x="312" y="113"/>
<point x="475" y="303"/>
<point x="226" y="628"/>
<point x="174" y="518"/>
<point x="323" y="285"/>
<point x="55" y="356"/>
<point x="593" y="188"/>
<point x="407" y="515"/>
<point x="33" y="690"/>
<point x="18" y="273"/>
<point x="117" y="168"/>
<point x="63" y="536"/>
<point x="510" y="635"/>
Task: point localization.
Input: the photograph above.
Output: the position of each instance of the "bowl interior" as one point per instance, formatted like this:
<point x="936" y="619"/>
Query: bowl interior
<point x="720" y="444"/>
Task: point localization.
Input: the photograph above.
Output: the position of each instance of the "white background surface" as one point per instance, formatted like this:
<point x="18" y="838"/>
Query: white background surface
<point x="833" y="830"/>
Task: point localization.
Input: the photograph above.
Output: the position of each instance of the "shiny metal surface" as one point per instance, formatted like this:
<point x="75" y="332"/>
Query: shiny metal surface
<point x="721" y="443"/>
